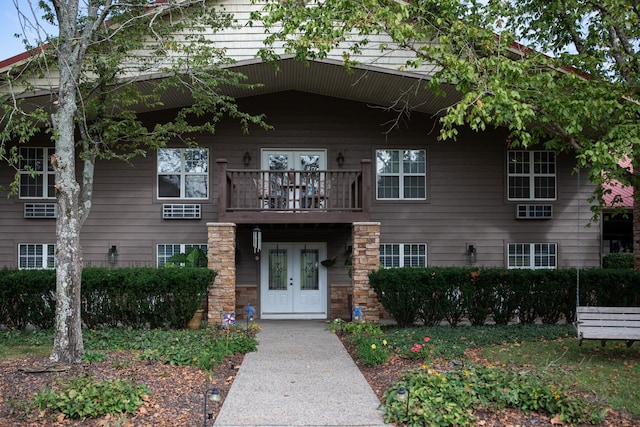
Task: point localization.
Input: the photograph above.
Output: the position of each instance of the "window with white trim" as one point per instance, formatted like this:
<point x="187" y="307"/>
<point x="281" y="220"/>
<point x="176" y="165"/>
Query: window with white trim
<point x="532" y="255"/>
<point x="531" y="175"/>
<point x="401" y="174"/>
<point x="33" y="256"/>
<point x="167" y="250"/>
<point x="394" y="255"/>
<point x="37" y="177"/>
<point x="183" y="173"/>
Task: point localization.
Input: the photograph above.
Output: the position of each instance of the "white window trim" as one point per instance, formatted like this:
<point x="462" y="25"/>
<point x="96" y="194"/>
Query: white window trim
<point x="532" y="255"/>
<point x="532" y="176"/>
<point x="183" y="174"/>
<point x="402" y="253"/>
<point x="183" y="249"/>
<point x="44" y="261"/>
<point x="45" y="173"/>
<point x="401" y="175"/>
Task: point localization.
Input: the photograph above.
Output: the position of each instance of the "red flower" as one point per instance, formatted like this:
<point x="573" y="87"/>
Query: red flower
<point x="427" y="339"/>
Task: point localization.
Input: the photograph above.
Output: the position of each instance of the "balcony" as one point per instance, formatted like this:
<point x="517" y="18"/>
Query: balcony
<point x="290" y="196"/>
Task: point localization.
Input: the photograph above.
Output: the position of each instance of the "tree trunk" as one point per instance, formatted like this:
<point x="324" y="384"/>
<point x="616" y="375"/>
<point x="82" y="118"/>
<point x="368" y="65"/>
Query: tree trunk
<point x="67" y="344"/>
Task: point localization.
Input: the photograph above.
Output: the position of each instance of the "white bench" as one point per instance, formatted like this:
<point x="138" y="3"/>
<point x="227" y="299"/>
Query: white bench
<point x="608" y="323"/>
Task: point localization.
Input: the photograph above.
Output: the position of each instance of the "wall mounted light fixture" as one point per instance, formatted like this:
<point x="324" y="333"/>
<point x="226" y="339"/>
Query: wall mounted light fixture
<point x="112" y="255"/>
<point x="340" y="159"/>
<point x="471" y="253"/>
<point x="246" y="159"/>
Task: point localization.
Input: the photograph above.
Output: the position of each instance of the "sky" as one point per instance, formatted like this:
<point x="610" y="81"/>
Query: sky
<point x="10" y="24"/>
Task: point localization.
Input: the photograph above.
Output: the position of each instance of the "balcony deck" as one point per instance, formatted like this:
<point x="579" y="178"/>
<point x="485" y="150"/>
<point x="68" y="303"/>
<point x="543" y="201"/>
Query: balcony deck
<point x="289" y="196"/>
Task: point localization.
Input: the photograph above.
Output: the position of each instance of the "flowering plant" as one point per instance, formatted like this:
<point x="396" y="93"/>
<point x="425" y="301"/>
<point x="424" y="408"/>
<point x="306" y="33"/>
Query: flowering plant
<point x="416" y="350"/>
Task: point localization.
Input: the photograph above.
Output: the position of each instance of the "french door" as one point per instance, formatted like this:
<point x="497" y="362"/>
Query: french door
<point x="293" y="284"/>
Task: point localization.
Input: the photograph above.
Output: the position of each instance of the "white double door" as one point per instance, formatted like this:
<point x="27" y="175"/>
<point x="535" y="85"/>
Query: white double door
<point x="293" y="282"/>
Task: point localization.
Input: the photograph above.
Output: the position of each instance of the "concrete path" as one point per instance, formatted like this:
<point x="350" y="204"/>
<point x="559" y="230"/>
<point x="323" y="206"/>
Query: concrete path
<point x="301" y="375"/>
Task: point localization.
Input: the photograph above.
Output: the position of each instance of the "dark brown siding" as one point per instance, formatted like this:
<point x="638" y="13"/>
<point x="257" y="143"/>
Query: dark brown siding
<point x="466" y="189"/>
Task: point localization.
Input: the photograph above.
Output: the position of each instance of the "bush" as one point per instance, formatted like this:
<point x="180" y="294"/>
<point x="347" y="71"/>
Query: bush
<point x="427" y="397"/>
<point x="617" y="261"/>
<point x="84" y="397"/>
<point x="135" y="297"/>
<point x="434" y="294"/>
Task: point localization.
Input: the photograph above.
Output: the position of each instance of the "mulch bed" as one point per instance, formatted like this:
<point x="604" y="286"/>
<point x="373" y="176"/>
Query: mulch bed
<point x="178" y="392"/>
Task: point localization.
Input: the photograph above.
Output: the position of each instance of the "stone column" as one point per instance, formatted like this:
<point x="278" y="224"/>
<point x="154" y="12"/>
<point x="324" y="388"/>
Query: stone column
<point x="221" y="254"/>
<point x="366" y="258"/>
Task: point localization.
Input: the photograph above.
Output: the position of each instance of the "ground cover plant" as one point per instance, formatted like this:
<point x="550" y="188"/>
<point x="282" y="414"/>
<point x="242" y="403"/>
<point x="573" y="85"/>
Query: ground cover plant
<point x="459" y="372"/>
<point x="128" y="376"/>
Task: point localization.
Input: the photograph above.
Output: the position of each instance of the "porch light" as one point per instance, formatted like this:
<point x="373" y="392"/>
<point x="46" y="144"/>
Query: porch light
<point x="471" y="253"/>
<point x="213" y="395"/>
<point x="246" y="159"/>
<point x="257" y="241"/>
<point x="340" y="159"/>
<point x="112" y="255"/>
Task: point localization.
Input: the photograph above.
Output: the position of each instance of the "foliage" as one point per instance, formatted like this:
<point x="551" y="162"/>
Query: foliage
<point x="579" y="92"/>
<point x="448" y="399"/>
<point x="372" y="350"/>
<point x="617" y="261"/>
<point x="203" y="348"/>
<point x="435" y="294"/>
<point x="84" y="397"/>
<point x="137" y="297"/>
<point x="102" y="71"/>
<point x="614" y="368"/>
<point x="194" y="257"/>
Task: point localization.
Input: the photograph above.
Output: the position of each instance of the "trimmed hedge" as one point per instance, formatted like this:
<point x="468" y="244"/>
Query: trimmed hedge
<point x="130" y="297"/>
<point x="450" y="294"/>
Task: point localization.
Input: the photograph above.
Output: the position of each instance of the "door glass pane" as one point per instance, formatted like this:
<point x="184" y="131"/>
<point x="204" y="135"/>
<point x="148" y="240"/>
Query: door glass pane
<point x="278" y="162"/>
<point x="309" y="270"/>
<point x="277" y="270"/>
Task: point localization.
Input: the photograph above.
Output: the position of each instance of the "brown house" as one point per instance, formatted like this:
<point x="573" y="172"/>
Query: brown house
<point x="294" y="218"/>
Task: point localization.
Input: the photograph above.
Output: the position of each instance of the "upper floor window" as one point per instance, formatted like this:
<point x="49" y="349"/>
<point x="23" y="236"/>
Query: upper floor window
<point x="393" y="255"/>
<point x="183" y="173"/>
<point x="37" y="177"/>
<point x="167" y="250"/>
<point x="531" y="175"/>
<point x="401" y="174"/>
<point x="33" y="256"/>
<point x="532" y="255"/>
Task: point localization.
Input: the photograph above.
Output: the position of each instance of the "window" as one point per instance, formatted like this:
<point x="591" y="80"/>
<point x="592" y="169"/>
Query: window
<point x="37" y="177"/>
<point x="33" y="256"/>
<point x="532" y="255"/>
<point x="167" y="250"/>
<point x="393" y="255"/>
<point x="531" y="175"/>
<point x="401" y="174"/>
<point x="183" y="173"/>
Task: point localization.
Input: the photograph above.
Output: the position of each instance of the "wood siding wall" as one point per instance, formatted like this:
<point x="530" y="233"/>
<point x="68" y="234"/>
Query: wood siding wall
<point x="466" y="188"/>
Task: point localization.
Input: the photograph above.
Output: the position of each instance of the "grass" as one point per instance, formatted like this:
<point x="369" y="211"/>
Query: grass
<point x="612" y="372"/>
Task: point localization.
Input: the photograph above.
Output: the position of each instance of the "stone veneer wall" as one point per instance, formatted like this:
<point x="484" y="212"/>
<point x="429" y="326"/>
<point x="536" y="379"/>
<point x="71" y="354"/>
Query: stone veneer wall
<point x="221" y="254"/>
<point x="366" y="258"/>
<point x="339" y="302"/>
<point x="244" y="295"/>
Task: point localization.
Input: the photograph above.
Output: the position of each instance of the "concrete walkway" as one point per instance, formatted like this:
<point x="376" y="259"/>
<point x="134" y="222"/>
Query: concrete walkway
<point x="301" y="375"/>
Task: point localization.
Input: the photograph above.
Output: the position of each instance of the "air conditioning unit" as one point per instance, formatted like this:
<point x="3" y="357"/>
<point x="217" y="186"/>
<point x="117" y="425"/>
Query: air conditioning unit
<point x="181" y="211"/>
<point x="40" y="210"/>
<point x="534" y="211"/>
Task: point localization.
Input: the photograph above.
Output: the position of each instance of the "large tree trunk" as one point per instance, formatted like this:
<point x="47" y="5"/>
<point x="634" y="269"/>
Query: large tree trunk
<point x="67" y="345"/>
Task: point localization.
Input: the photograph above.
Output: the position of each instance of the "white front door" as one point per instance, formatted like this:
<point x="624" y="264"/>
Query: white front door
<point x="293" y="283"/>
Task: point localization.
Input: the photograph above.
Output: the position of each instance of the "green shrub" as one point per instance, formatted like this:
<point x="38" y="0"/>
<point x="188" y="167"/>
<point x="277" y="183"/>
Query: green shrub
<point x="617" y="261"/>
<point x="135" y="297"/>
<point x="84" y="397"/>
<point x="445" y="399"/>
